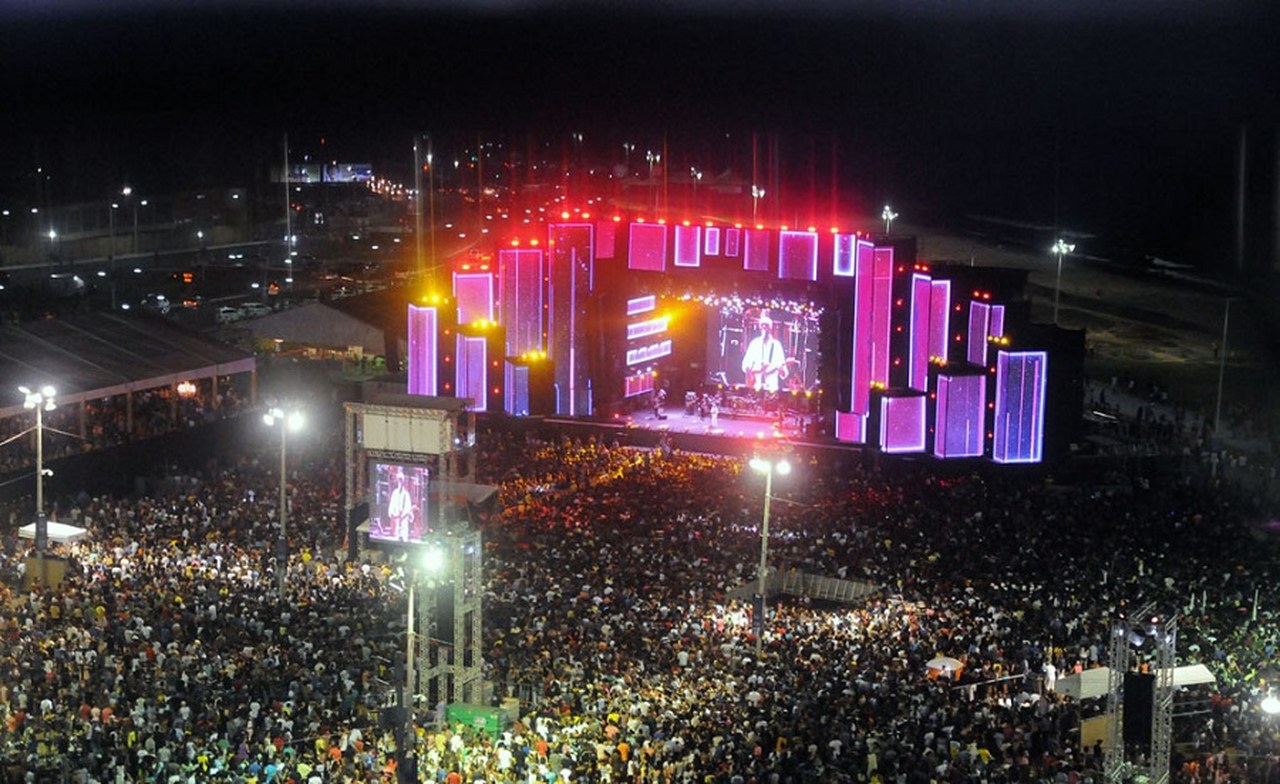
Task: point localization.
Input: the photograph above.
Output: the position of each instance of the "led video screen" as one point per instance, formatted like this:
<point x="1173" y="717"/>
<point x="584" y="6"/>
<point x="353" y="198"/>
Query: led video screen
<point x="398" y="509"/>
<point x="763" y="347"/>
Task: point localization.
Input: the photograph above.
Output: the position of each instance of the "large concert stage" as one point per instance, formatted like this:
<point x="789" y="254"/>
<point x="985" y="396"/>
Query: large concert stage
<point x="785" y="333"/>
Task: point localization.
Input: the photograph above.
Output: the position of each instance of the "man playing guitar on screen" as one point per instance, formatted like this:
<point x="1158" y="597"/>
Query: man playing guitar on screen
<point x="765" y="361"/>
<point x="400" y="510"/>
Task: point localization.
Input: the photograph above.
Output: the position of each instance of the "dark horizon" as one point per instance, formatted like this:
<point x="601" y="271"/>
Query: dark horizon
<point x="1121" y="124"/>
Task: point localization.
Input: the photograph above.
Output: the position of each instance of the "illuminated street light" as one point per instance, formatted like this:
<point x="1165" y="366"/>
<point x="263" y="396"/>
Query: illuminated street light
<point x="1060" y="248"/>
<point x="757" y="193"/>
<point x="288" y="420"/>
<point x="888" y="215"/>
<point x="41" y="400"/>
<point x="768" y="468"/>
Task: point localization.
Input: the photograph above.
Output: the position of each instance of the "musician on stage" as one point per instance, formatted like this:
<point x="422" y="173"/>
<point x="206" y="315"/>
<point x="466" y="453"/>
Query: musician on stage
<point x="400" y="509"/>
<point x="765" y="361"/>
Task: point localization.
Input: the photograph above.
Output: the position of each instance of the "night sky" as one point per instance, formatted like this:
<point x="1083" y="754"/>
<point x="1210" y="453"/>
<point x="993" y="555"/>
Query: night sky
<point x="1119" y="118"/>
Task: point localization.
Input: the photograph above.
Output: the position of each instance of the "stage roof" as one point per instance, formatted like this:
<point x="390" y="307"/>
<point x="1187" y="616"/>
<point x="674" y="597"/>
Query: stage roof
<point x="102" y="354"/>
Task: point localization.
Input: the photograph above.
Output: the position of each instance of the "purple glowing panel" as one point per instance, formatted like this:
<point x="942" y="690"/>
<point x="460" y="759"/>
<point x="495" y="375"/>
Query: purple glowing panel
<point x="851" y="428"/>
<point x="918" y="338"/>
<point x="902" y="424"/>
<point x="472" y="360"/>
<point x="732" y="242"/>
<point x="940" y="321"/>
<point x="843" y="265"/>
<point x="473" y="291"/>
<point x="756" y="257"/>
<point x="712" y="247"/>
<point x="645" y="354"/>
<point x="647" y="249"/>
<point x="520" y="297"/>
<point x="958" y="425"/>
<point x="606" y="239"/>
<point x="515" y="390"/>
<point x="881" y="315"/>
<point x="798" y="255"/>
<point x="571" y="269"/>
<point x="643" y="329"/>
<point x="423" y="350"/>
<point x="639" y="384"/>
<point x="641" y="305"/>
<point x="979" y="318"/>
<point x="996" y="328"/>
<point x="1019" y="423"/>
<point x="688" y="246"/>
<point x="863" y="305"/>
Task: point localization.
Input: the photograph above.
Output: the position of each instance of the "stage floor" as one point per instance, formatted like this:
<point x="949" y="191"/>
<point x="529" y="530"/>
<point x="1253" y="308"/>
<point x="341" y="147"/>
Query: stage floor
<point x="678" y="421"/>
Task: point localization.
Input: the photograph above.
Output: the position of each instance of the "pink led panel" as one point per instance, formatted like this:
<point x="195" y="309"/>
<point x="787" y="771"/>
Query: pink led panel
<point x="851" y="428"/>
<point x="520" y="279"/>
<point x="979" y="319"/>
<point x="641" y="305"/>
<point x="996" y="329"/>
<point x="940" y="321"/>
<point x="638" y="384"/>
<point x="863" y="305"/>
<point x="1019" y="421"/>
<point x="472" y="359"/>
<point x="842" y="266"/>
<point x="961" y="406"/>
<point x="798" y="255"/>
<point x="648" y="247"/>
<point x="918" y="337"/>
<point x="606" y="236"/>
<point x="473" y="291"/>
<point x="732" y="242"/>
<point x="713" y="241"/>
<point x="515" y="391"/>
<point x="688" y="246"/>
<point x="902" y="424"/>
<point x="881" y="315"/>
<point x="756" y="257"/>
<point x="422" y="350"/>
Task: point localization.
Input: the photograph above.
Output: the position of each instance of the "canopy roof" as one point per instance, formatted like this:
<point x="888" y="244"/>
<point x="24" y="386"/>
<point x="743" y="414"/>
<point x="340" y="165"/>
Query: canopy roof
<point x="59" y="533"/>
<point x="102" y="354"/>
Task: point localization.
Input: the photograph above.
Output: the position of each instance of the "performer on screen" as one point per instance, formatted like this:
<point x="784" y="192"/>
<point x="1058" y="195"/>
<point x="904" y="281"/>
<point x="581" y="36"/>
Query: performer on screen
<point x="400" y="509"/>
<point x="765" y="361"/>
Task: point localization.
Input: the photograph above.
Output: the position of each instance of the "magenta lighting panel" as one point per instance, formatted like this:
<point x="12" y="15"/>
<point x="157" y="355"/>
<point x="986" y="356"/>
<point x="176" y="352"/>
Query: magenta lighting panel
<point x="472" y="360"/>
<point x="902" y="424"/>
<point x="732" y="242"/>
<point x="756" y="257"/>
<point x="712" y="247"/>
<point x="863" y="304"/>
<point x="979" y="324"/>
<point x="996" y="328"/>
<point x="515" y="389"/>
<point x="643" y="329"/>
<point x="648" y="353"/>
<point x="881" y="315"/>
<point x="647" y="249"/>
<point x="641" y="304"/>
<point x="606" y="239"/>
<point x="639" y="384"/>
<point x="688" y="246"/>
<point x="851" y="428"/>
<point x="940" y="321"/>
<point x="571" y="266"/>
<point x="423" y="350"/>
<point x="798" y="255"/>
<point x="842" y="266"/>
<point x="520" y="278"/>
<point x="473" y="291"/>
<point x="961" y="410"/>
<point x="918" y="337"/>
<point x="1018" y="435"/>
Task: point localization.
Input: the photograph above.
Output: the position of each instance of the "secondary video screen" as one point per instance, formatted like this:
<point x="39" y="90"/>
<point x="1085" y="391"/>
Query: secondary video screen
<point x="764" y="347"/>
<point x="398" y="508"/>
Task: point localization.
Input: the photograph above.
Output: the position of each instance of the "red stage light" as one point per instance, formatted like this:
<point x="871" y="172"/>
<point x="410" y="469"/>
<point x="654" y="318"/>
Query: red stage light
<point x="639" y="220"/>
<point x="534" y="243"/>
<point x="759" y="227"/>
<point x="662" y="221"/>
<point x="617" y="218"/>
<point x="786" y="228"/>
<point x="686" y="223"/>
<point x="565" y="215"/>
<point x="586" y="215"/>
<point x="835" y="230"/>
<point x="515" y="243"/>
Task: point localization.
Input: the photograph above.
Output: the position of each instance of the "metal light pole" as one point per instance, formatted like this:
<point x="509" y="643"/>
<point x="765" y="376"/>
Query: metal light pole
<point x="291" y="420"/>
<point x="888" y="215"/>
<point x="1060" y="248"/>
<point x="766" y="467"/>
<point x="41" y="400"/>
<point x="1222" y="371"/>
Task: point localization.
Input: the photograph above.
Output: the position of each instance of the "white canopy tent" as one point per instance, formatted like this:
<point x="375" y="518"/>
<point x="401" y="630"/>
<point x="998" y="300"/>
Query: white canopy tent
<point x="1094" y="682"/>
<point x="59" y="533"/>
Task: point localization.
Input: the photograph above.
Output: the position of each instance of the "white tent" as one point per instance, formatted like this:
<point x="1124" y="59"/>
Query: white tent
<point x="59" y="533"/>
<point x="1095" y="682"/>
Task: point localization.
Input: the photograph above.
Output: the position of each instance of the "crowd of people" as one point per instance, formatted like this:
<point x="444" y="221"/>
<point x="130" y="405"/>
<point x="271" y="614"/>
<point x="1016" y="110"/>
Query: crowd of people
<point x="166" y="655"/>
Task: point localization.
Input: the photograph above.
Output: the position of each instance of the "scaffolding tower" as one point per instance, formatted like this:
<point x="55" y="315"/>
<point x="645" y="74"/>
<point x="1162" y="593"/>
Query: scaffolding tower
<point x="1129" y="631"/>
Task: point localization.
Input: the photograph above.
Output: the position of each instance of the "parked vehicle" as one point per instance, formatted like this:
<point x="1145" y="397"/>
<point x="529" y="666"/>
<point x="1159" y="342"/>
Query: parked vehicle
<point x="227" y="314"/>
<point x="254" y="309"/>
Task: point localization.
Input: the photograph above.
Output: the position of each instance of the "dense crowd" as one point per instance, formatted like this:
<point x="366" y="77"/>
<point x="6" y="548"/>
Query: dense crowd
<point x="166" y="656"/>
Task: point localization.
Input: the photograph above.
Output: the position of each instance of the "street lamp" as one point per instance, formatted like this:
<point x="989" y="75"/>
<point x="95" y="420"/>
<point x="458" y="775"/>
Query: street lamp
<point x="888" y="215"/>
<point x="696" y="177"/>
<point x="757" y="193"/>
<point x="41" y="400"/>
<point x="768" y="468"/>
<point x="1060" y="248"/>
<point x="290" y="420"/>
